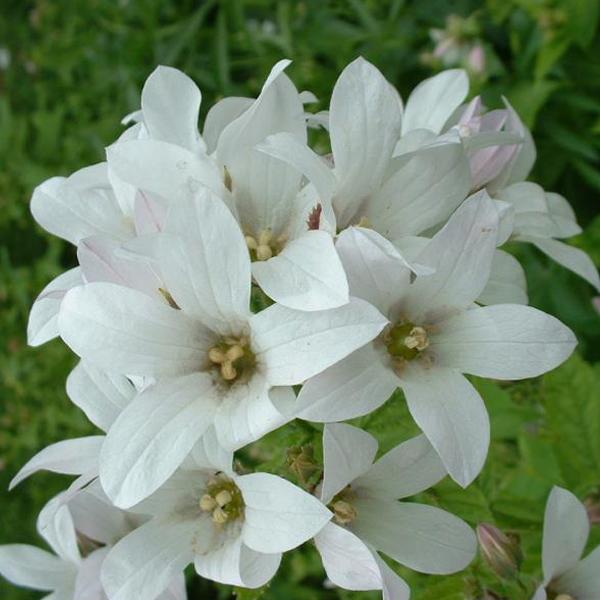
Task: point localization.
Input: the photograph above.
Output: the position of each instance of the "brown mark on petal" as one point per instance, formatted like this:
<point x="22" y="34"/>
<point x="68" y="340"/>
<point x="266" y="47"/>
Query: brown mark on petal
<point x="314" y="218"/>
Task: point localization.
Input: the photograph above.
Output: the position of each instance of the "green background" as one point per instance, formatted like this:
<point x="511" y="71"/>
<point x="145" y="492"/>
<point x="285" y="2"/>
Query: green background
<point x="70" y="70"/>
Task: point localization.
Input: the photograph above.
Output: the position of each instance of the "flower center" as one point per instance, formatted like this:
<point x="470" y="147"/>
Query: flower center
<point x="233" y="358"/>
<point x="223" y="500"/>
<point x="264" y="245"/>
<point x="344" y="511"/>
<point x="406" y="340"/>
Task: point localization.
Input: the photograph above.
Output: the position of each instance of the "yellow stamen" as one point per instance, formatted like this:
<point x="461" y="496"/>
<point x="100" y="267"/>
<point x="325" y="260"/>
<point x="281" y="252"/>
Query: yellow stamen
<point x="219" y="515"/>
<point x="223" y="498"/>
<point x="207" y="503"/>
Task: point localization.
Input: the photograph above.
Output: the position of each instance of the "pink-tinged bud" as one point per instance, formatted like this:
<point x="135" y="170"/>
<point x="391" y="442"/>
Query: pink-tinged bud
<point x="476" y="59"/>
<point x="502" y="552"/>
<point x="592" y="505"/>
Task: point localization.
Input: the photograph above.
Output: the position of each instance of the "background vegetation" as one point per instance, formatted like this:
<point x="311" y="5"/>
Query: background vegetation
<point x="69" y="71"/>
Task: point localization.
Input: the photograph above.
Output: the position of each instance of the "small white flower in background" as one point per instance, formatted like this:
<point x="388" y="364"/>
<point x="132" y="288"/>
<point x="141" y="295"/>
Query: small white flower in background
<point x="234" y="528"/>
<point x="436" y="333"/>
<point x="566" y="529"/>
<point x="217" y="363"/>
<point x="363" y="496"/>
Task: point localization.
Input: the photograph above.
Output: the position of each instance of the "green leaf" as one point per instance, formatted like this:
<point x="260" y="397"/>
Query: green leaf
<point x="582" y="20"/>
<point x="571" y="397"/>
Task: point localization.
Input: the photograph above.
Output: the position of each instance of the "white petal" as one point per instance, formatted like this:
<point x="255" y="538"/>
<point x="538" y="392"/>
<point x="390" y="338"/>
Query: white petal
<point x="295" y="153"/>
<point x="95" y="517"/>
<point x="30" y="567"/>
<point x="583" y="580"/>
<point x="453" y="417"/>
<point x="364" y="120"/>
<point x="264" y="187"/>
<point x="434" y="100"/>
<point x="521" y="164"/>
<point x="571" y="258"/>
<point x="353" y="387"/>
<point x="220" y="115"/>
<point x="125" y="331"/>
<point x="537" y="213"/>
<point x="277" y="108"/>
<point x="170" y="107"/>
<point x="43" y="318"/>
<point x="279" y="516"/>
<point x="150" y="213"/>
<point x="540" y="593"/>
<point x="246" y="413"/>
<point x="348" y="562"/>
<point x="394" y="587"/>
<point x="76" y="208"/>
<point x="144" y="563"/>
<point x="295" y="345"/>
<point x="406" y="470"/>
<point x="210" y="244"/>
<point x="424" y="190"/>
<point x="376" y="271"/>
<point x="348" y="453"/>
<point x="507" y="282"/>
<point x="504" y="341"/>
<point x="306" y="275"/>
<point x="461" y="254"/>
<point x="165" y="169"/>
<point x="88" y="585"/>
<point x="176" y="590"/>
<point x="566" y="530"/>
<point x="69" y="457"/>
<point x="55" y="525"/>
<point x="421" y="537"/>
<point x="236" y="564"/>
<point x="209" y="454"/>
<point x="101" y="395"/>
<point x="153" y="435"/>
<point x="102" y="259"/>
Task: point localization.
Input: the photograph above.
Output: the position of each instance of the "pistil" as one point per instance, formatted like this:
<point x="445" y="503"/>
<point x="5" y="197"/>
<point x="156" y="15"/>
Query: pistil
<point x="233" y="357"/>
<point x="406" y="340"/>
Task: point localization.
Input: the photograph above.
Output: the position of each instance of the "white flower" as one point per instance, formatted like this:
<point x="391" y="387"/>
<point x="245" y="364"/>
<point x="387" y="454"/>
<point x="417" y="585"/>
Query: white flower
<point x="216" y="362"/>
<point x="31" y="567"/>
<point x="87" y="211"/>
<point x="436" y="333"/>
<point x="368" y="518"/>
<point x="295" y="263"/>
<point x="566" y="529"/>
<point x="539" y="217"/>
<point x="370" y="182"/>
<point x="232" y="527"/>
<point x="67" y="574"/>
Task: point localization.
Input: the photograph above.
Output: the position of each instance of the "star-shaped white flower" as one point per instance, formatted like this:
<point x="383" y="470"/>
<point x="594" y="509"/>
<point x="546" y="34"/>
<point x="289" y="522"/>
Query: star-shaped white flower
<point x="68" y="574"/>
<point x="370" y="182"/>
<point x="234" y="529"/>
<point x="216" y="362"/>
<point x="566" y="529"/>
<point x="436" y="334"/>
<point x="294" y="260"/>
<point x="363" y="496"/>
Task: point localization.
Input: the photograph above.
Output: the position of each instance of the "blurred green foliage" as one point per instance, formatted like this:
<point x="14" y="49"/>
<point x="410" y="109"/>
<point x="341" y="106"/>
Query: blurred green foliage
<point x="69" y="71"/>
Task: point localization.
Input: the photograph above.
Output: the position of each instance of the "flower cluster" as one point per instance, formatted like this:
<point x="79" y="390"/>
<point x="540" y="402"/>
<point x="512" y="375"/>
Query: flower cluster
<point x="232" y="281"/>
